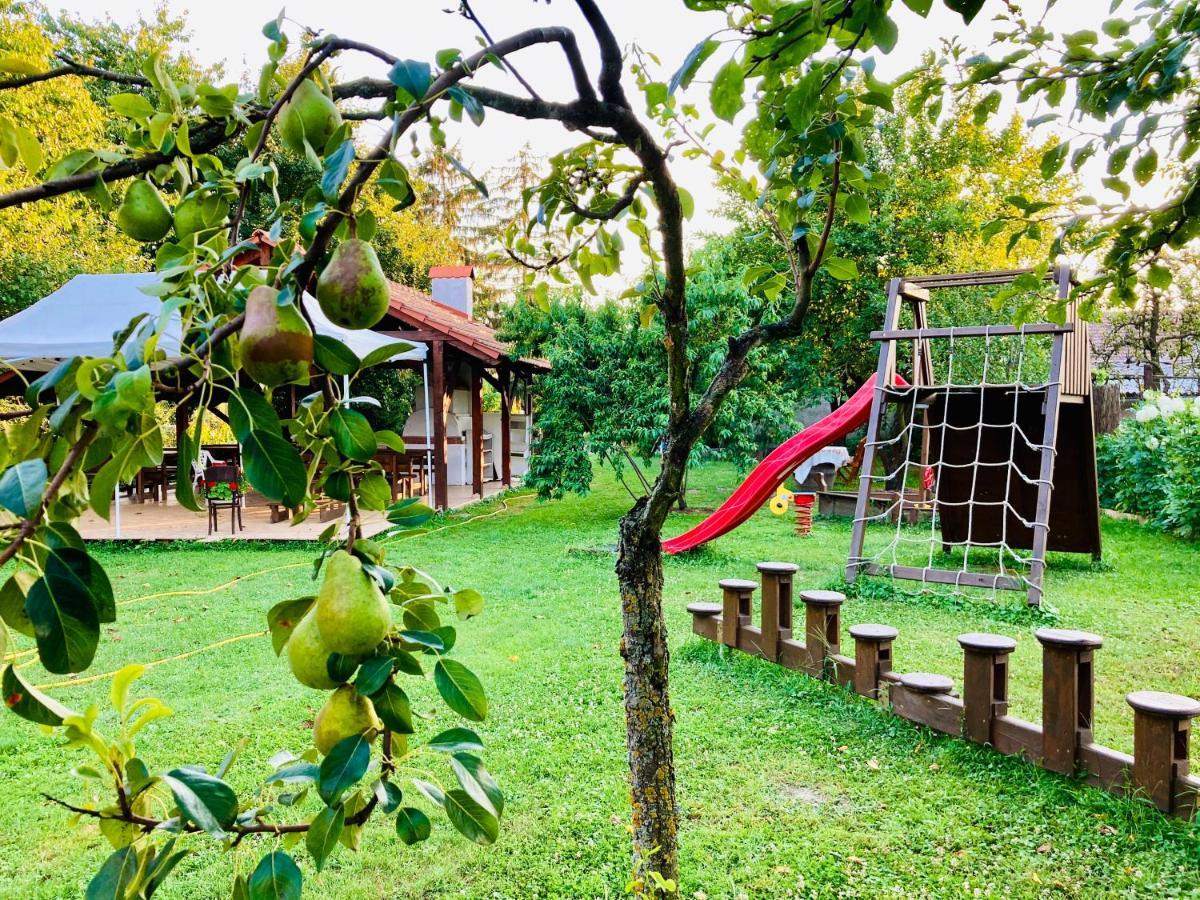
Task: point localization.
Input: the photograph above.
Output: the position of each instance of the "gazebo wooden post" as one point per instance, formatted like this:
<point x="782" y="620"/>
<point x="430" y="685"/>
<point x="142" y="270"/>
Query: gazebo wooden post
<point x="437" y="401"/>
<point x="505" y="378"/>
<point x="477" y="430"/>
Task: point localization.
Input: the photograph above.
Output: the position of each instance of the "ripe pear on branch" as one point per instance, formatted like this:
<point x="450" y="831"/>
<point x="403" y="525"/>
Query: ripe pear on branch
<point x="345" y="714"/>
<point x="276" y="342"/>
<point x="143" y="214"/>
<point x="351" y="612"/>
<point x="352" y="289"/>
<point x="308" y="656"/>
<point x="309" y="117"/>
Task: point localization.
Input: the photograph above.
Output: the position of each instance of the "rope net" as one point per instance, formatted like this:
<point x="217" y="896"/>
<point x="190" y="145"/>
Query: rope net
<point x="956" y="464"/>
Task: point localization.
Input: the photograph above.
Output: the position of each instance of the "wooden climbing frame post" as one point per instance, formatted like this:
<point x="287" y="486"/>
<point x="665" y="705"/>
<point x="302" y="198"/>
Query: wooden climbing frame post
<point x="1068" y="695"/>
<point x="1161" y="726"/>
<point x="985" y="682"/>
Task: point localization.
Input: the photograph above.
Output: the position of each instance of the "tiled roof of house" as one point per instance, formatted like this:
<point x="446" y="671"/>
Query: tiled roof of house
<point x="418" y="310"/>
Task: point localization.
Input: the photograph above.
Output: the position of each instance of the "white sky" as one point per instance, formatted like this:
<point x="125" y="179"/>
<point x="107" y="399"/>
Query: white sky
<point x="227" y="31"/>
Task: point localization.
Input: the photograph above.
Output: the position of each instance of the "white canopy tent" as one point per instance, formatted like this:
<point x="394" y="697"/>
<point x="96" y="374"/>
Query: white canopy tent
<point x="82" y="316"/>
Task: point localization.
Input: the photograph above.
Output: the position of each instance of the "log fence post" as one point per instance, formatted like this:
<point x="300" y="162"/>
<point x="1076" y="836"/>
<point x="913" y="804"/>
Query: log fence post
<point x="822" y="629"/>
<point x="1161" y="726"/>
<point x="985" y="682"/>
<point x="872" y="656"/>
<point x="1068" y="695"/>
<point x="776" y="603"/>
<point x="737" y="608"/>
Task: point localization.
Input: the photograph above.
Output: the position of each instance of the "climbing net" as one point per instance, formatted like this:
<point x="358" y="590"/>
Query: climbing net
<point x="956" y="477"/>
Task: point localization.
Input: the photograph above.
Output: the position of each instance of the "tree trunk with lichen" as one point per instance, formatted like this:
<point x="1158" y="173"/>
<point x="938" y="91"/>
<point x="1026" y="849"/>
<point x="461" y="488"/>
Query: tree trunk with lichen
<point x="649" y="721"/>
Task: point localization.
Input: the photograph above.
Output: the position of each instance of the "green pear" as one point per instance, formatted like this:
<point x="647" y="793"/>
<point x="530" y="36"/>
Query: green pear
<point x="308" y="116"/>
<point x="276" y="342"/>
<point x="345" y="713"/>
<point x="144" y="214"/>
<point x="308" y="655"/>
<point x="352" y="613"/>
<point x="352" y="290"/>
<point x="195" y="213"/>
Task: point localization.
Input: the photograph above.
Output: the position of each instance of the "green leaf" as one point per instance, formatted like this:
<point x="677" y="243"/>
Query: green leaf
<point x="408" y="512"/>
<point x="283" y="618"/>
<point x="323" y="833"/>
<point x="372" y="674"/>
<point x="461" y="689"/>
<point x="374" y="492"/>
<point x="841" y="269"/>
<point x="1053" y="159"/>
<point x="297" y="773"/>
<point x="343" y="767"/>
<point x="12" y="601"/>
<point x="390" y="439"/>
<point x="727" y="89"/>
<point x="66" y="623"/>
<point x="352" y="434"/>
<point x="920" y="7"/>
<point x="471" y="819"/>
<point x="131" y="106"/>
<point x="207" y="802"/>
<point x="276" y="877"/>
<point x="478" y="782"/>
<point x="116" y="877"/>
<point x="335" y="170"/>
<point x="412" y="825"/>
<point x="1159" y="277"/>
<point x="384" y="353"/>
<point x="250" y="411"/>
<point x="455" y="740"/>
<point x="392" y="706"/>
<point x="335" y="357"/>
<point x="884" y="31"/>
<point x="274" y="468"/>
<point x="340" y="666"/>
<point x="691" y="64"/>
<point x="857" y="209"/>
<point x="389" y="796"/>
<point x="422" y="638"/>
<point x="30" y="703"/>
<point x="72" y="564"/>
<point x="412" y="77"/>
<point x="22" y="485"/>
<point x="15" y="64"/>
<point x="1145" y="167"/>
<point x="467" y="602"/>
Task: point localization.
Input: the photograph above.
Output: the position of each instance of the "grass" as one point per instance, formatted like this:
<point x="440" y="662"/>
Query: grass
<point x="787" y="786"/>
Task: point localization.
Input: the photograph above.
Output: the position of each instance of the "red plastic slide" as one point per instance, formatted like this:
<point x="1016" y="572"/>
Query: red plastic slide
<point x="775" y="469"/>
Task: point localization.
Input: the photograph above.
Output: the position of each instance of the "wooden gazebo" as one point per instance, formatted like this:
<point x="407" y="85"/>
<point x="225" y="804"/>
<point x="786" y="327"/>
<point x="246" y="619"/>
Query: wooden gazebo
<point x="463" y="354"/>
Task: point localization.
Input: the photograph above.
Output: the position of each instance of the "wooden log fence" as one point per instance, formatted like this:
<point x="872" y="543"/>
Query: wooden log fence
<point x="1063" y="742"/>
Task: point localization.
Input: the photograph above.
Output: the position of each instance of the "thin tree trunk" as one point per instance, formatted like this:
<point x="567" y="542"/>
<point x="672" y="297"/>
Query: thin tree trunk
<point x="649" y="720"/>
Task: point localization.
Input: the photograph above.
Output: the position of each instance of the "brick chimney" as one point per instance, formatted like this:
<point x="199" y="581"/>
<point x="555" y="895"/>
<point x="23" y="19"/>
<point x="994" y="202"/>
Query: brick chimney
<point x="452" y="287"/>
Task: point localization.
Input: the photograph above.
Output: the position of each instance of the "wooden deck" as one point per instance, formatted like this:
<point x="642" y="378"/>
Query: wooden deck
<point x="169" y="521"/>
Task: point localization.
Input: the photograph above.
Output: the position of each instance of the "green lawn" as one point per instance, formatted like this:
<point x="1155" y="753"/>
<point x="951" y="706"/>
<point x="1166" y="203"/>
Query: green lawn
<point x="788" y="786"/>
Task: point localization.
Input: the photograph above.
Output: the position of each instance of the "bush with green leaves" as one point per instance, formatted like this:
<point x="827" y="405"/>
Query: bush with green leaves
<point x="1150" y="466"/>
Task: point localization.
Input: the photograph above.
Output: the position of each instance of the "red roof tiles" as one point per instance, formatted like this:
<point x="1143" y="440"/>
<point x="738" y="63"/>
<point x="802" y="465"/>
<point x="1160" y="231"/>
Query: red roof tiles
<point x="419" y="310"/>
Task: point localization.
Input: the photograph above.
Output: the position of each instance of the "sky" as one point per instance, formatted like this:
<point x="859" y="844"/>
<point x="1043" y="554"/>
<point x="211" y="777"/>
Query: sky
<point x="227" y="32"/>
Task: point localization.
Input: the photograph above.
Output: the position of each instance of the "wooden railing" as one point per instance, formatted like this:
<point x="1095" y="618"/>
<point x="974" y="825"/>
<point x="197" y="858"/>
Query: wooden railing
<point x="1158" y="768"/>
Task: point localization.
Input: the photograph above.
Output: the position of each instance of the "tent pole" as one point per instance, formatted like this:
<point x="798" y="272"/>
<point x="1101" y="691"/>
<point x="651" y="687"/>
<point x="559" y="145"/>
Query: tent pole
<point x="428" y="431"/>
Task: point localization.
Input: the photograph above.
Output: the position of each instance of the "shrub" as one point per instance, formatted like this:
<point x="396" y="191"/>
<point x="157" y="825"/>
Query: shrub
<point x="1150" y="466"/>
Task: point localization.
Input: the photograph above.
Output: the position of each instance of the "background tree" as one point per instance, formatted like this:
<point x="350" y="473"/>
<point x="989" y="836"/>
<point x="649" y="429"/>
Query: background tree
<point x="1129" y="97"/>
<point x="1162" y="329"/>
